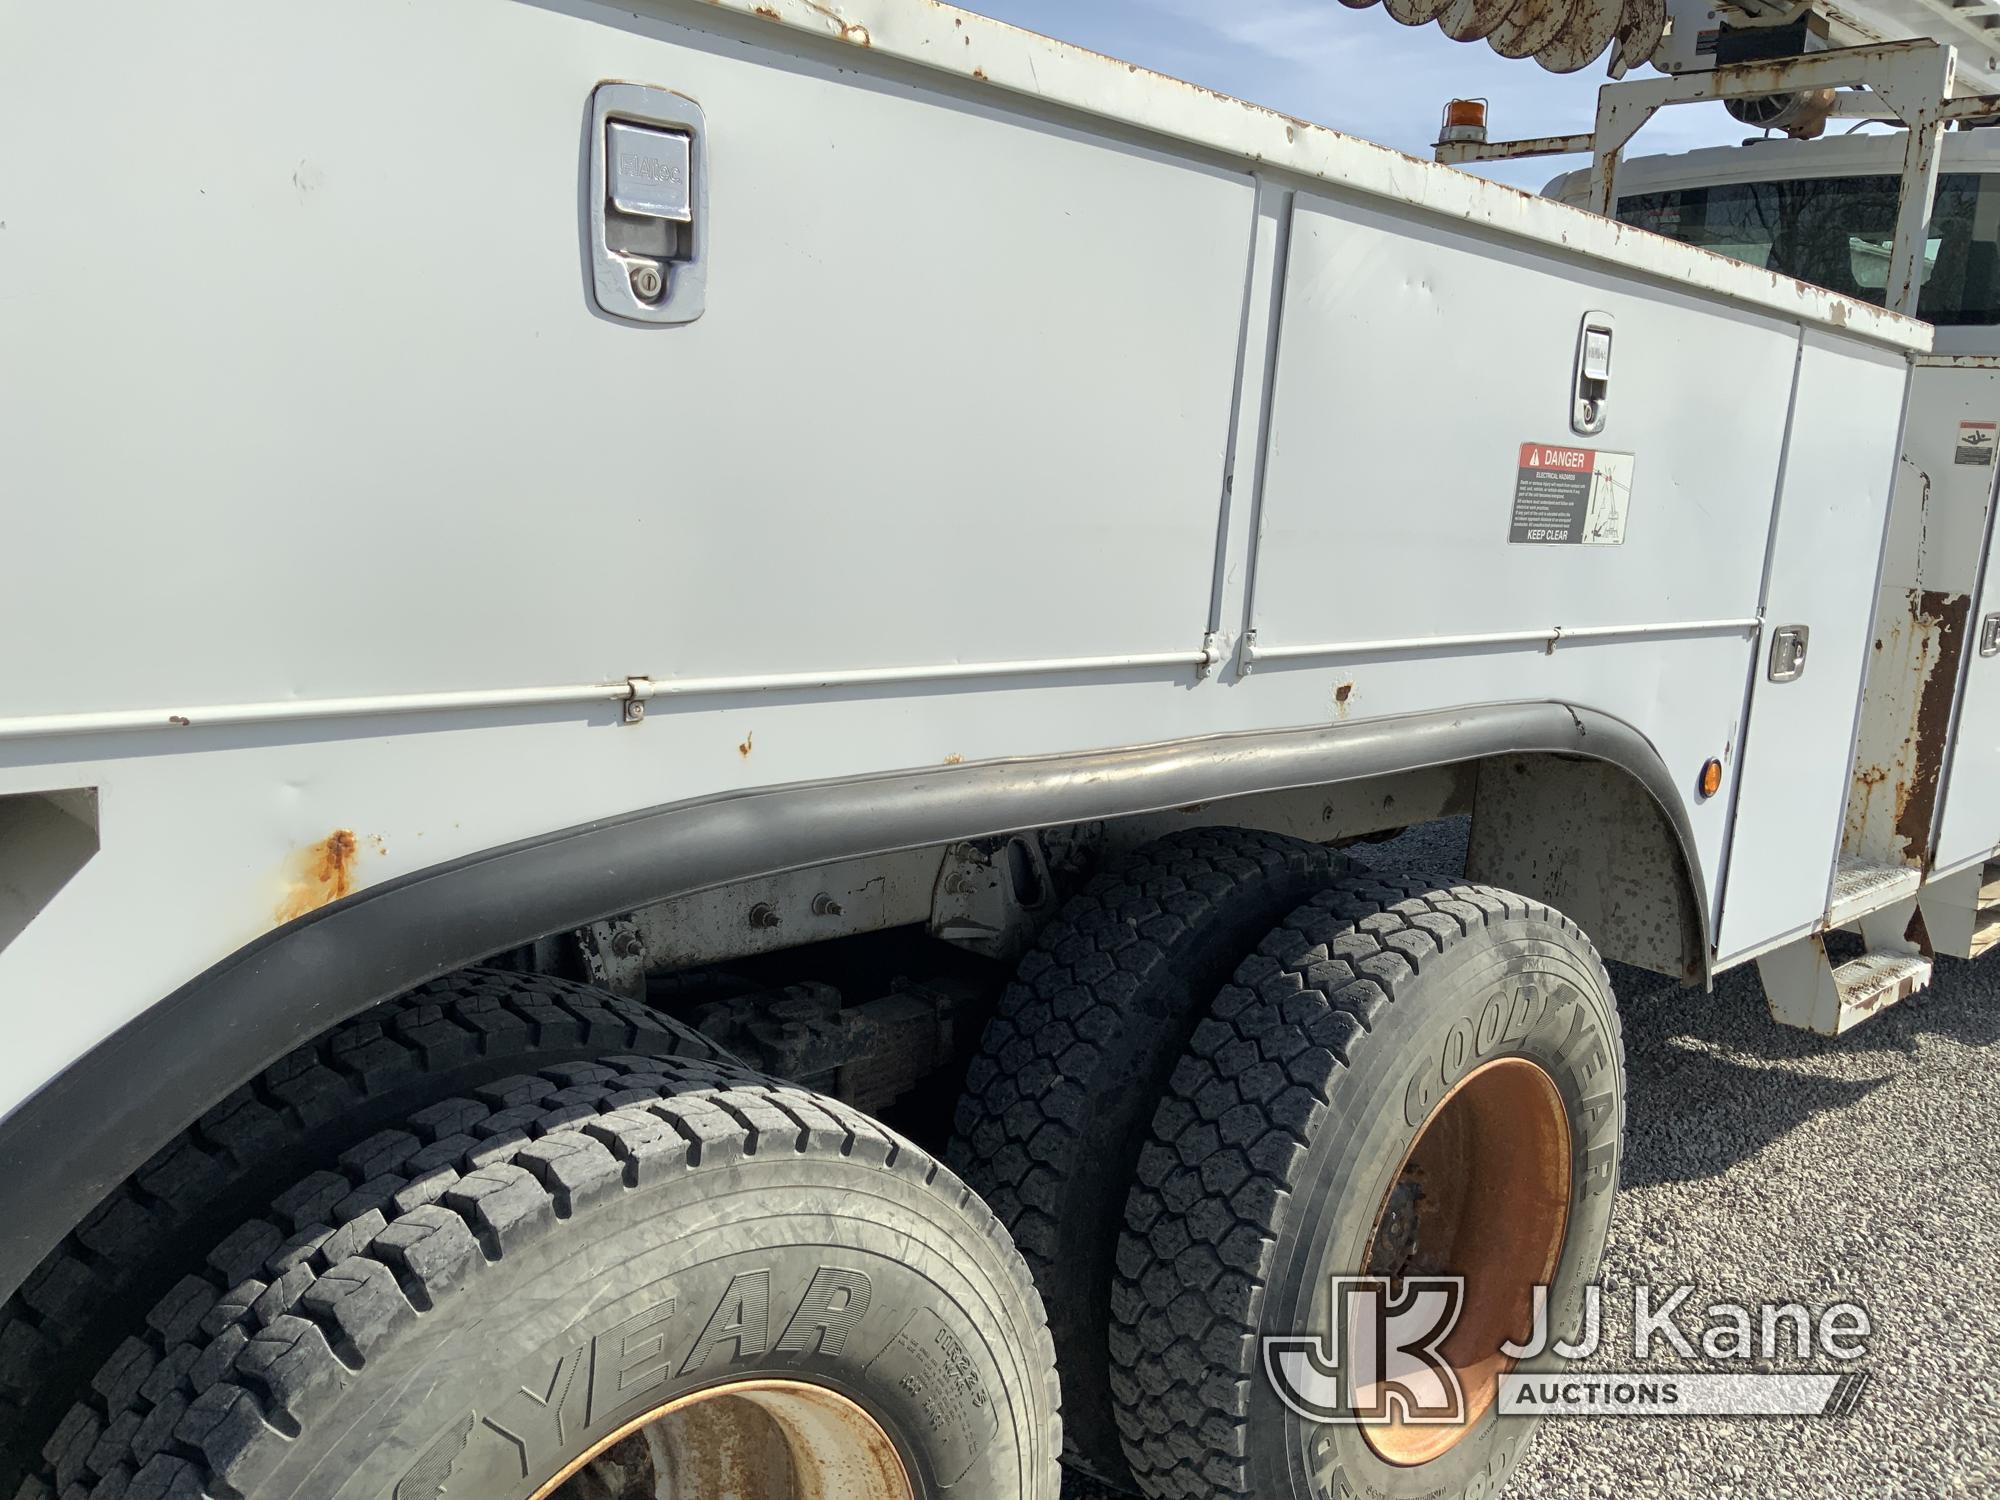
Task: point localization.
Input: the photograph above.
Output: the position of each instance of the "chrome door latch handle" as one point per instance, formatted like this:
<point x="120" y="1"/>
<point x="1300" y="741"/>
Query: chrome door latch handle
<point x="1989" y="636"/>
<point x="1788" y="652"/>
<point x="648" y="204"/>
<point x="1590" y="389"/>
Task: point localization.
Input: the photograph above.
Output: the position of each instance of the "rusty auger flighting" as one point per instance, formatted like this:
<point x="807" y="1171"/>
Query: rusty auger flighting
<point x="1564" y="36"/>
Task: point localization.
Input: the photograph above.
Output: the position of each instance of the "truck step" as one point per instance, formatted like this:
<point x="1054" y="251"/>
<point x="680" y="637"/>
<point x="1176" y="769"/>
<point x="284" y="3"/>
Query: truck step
<point x="1989" y="889"/>
<point x="1864" y="886"/>
<point x="1962" y="911"/>
<point x="1805" y="989"/>
<point x="1876" y="981"/>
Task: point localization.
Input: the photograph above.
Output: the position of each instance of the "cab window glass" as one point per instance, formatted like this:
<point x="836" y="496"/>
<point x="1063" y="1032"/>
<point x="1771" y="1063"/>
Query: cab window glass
<point x="1836" y="231"/>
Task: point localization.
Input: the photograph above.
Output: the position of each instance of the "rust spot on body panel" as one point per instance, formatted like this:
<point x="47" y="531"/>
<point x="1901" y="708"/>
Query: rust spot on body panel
<point x="749" y="739"/>
<point x="1912" y="682"/>
<point x="320" y="874"/>
<point x="852" y="32"/>
<point x="1942" y="617"/>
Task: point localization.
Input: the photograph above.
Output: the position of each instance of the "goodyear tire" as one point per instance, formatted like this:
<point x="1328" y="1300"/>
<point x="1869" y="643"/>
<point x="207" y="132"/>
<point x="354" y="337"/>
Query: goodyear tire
<point x="1402" y="1080"/>
<point x="455" y="1034"/>
<point x="1058" y="1101"/>
<point x="672" y="1263"/>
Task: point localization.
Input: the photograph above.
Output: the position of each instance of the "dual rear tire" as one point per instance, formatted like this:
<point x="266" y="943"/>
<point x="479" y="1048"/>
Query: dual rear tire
<point x="1366" y="1074"/>
<point x="1403" y="1080"/>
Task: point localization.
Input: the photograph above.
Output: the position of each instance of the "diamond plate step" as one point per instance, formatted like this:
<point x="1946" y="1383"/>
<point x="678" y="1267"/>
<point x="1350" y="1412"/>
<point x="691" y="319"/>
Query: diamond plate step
<point x="1862" y="887"/>
<point x="1804" y="989"/>
<point x="1876" y="981"/>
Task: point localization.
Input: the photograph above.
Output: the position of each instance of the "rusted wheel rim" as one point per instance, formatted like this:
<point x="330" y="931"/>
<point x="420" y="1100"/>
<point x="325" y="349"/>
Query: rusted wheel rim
<point x="1483" y="1193"/>
<point x="751" y="1439"/>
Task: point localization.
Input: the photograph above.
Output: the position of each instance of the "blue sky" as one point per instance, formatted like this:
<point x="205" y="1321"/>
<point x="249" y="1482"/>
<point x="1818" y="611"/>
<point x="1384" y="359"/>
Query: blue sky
<point x="1356" y="70"/>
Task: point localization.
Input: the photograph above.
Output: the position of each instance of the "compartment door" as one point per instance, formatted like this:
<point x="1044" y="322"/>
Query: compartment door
<point x="1969" y="828"/>
<point x="1825" y="553"/>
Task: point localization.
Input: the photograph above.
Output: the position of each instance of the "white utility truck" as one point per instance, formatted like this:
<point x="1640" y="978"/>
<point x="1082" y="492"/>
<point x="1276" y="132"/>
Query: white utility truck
<point x="628" y="627"/>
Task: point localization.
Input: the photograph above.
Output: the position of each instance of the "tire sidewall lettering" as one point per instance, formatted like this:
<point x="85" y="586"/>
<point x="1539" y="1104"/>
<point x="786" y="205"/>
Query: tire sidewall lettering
<point x="563" y="1398"/>
<point x="850" y="1322"/>
<point x="1506" y="1018"/>
<point x="1523" y="996"/>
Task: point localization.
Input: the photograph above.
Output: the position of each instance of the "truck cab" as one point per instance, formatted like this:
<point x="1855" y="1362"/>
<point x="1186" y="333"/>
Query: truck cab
<point x="1825" y="211"/>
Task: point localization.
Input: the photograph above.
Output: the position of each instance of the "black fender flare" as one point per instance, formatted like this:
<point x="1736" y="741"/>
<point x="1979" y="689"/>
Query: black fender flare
<point x="92" y="1125"/>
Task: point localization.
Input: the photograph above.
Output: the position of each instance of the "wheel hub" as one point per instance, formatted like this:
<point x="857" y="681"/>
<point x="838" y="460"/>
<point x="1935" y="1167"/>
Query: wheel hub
<point x="1395" y="1250"/>
<point x="748" y="1440"/>
<point x="1482" y="1194"/>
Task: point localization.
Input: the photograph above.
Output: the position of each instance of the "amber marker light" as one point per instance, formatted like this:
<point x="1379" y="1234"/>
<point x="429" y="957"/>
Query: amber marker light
<point x="1711" y="777"/>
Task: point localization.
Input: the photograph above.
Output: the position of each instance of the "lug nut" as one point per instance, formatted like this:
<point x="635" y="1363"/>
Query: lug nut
<point x="825" y="906"/>
<point x="763" y="914"/>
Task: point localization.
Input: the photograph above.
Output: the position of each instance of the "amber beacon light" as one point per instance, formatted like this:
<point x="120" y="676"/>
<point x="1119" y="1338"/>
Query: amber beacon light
<point x="1464" y="120"/>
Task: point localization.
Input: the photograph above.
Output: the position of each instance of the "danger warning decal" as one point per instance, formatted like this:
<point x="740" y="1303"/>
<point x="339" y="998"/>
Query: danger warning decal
<point x="1975" y="443"/>
<point x="1578" y="495"/>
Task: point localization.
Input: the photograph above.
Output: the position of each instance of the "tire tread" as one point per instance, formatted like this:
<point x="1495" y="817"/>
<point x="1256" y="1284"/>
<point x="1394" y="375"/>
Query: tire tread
<point x="63" y="1320"/>
<point x="1075" y="1045"/>
<point x="1213" y="1181"/>
<point x="236" y="1371"/>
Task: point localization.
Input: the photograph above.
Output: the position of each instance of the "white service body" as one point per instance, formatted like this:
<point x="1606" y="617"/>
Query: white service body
<point x="1037" y="404"/>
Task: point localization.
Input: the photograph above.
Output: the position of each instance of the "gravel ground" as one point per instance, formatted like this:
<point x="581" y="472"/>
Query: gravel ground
<point x="1767" y="1164"/>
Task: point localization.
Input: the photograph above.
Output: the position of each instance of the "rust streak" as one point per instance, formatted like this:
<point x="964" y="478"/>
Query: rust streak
<point x="320" y="874"/>
<point x="1940" y="621"/>
<point x="744" y="748"/>
<point x="850" y="31"/>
